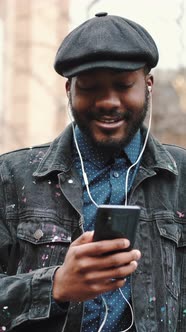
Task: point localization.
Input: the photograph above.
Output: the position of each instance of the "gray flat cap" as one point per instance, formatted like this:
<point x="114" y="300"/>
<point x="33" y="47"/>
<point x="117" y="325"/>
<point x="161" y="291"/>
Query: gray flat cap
<point x="106" y="41"/>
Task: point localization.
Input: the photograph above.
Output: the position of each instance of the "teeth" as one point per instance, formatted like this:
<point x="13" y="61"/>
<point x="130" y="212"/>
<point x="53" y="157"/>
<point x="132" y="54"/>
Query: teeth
<point x="108" y="121"/>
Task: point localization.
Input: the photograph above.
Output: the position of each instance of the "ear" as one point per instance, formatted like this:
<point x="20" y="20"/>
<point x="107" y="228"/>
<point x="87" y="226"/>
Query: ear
<point x="67" y="87"/>
<point x="149" y="82"/>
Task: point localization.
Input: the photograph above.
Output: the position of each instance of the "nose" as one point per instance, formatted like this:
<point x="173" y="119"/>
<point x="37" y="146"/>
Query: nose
<point x="108" y="100"/>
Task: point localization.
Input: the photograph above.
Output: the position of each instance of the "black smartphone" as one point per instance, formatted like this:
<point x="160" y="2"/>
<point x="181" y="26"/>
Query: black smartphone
<point x="116" y="221"/>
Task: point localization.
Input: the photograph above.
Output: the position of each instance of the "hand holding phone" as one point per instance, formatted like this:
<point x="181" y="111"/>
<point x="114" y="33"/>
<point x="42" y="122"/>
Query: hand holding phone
<point x="116" y="221"/>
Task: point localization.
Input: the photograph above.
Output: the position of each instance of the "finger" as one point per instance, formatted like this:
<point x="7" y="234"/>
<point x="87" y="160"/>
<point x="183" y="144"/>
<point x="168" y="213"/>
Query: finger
<point x="86" y="237"/>
<point x="100" y="288"/>
<point x="119" y="259"/>
<point x="107" y="246"/>
<point x="103" y="247"/>
<point x="113" y="285"/>
<point x="106" y="266"/>
<point x="109" y="274"/>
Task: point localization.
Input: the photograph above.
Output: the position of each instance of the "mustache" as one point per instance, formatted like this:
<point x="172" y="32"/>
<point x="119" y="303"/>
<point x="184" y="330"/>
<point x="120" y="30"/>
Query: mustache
<point x="99" y="114"/>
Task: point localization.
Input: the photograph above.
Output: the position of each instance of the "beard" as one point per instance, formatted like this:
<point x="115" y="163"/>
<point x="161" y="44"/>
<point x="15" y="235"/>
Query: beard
<point x="111" y="145"/>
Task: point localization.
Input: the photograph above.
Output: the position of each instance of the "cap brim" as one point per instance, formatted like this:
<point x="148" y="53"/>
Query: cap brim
<point x="115" y="64"/>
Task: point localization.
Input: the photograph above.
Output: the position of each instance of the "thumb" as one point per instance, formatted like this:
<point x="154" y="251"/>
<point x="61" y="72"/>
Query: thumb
<point x="86" y="237"/>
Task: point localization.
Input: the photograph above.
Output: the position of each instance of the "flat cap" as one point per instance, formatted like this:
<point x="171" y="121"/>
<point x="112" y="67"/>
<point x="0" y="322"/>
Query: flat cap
<point x="106" y="41"/>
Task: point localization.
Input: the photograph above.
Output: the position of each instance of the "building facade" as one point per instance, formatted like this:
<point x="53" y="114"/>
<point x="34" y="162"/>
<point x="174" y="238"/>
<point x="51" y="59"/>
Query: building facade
<point x="33" y="102"/>
<point x="32" y="99"/>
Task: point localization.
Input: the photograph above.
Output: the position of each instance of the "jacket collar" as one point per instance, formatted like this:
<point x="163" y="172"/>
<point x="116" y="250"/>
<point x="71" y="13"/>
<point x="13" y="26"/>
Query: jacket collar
<point x="156" y="156"/>
<point x="59" y="155"/>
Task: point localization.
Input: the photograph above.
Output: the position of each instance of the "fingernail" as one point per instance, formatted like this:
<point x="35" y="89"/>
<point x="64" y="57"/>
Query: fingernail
<point x="137" y="254"/>
<point x="134" y="263"/>
<point x="126" y="243"/>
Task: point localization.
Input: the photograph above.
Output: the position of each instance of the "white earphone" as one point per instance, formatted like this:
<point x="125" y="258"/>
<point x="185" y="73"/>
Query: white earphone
<point x="149" y="88"/>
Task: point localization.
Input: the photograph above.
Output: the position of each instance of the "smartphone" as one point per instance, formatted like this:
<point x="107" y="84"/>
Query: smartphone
<point x="117" y="221"/>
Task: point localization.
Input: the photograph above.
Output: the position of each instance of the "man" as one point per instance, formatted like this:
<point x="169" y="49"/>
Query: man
<point x="54" y="277"/>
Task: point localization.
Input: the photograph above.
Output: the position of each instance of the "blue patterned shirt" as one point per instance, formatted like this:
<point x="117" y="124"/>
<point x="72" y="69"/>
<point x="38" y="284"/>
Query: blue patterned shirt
<point x="107" y="186"/>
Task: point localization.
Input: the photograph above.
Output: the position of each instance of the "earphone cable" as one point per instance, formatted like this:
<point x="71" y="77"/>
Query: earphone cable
<point x="142" y="150"/>
<point x="126" y="197"/>
<point x="85" y="177"/>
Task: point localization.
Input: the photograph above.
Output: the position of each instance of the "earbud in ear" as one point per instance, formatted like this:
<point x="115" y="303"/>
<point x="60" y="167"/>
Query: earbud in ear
<point x="149" y="88"/>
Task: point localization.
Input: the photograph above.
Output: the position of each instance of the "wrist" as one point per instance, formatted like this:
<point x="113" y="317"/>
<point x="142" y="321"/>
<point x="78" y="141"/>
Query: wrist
<point x="57" y="289"/>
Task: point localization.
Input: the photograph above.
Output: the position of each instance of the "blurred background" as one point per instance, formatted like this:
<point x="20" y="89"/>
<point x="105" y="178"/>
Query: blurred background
<point x="32" y="97"/>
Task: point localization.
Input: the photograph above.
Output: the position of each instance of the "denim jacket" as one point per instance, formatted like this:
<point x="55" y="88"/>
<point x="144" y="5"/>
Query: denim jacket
<point x="41" y="213"/>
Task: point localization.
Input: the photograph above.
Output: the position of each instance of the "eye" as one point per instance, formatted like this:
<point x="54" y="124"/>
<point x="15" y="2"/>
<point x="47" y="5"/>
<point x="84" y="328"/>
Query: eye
<point x="87" y="87"/>
<point x="123" y="85"/>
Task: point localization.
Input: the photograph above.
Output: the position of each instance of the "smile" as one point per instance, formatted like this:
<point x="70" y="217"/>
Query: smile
<point x="106" y="119"/>
<point x="109" y="123"/>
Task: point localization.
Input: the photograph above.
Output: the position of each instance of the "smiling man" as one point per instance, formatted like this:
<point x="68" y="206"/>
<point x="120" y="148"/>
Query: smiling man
<point x="53" y="275"/>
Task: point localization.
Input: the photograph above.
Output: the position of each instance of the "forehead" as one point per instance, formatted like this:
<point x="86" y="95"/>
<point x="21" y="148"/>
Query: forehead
<point x="102" y="74"/>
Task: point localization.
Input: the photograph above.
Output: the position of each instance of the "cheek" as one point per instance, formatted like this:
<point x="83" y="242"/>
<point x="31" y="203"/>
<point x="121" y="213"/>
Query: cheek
<point x="80" y="104"/>
<point x="134" y="100"/>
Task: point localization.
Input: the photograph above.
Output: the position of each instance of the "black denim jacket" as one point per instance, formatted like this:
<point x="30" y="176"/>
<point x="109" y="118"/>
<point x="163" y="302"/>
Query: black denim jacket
<point x="41" y="213"/>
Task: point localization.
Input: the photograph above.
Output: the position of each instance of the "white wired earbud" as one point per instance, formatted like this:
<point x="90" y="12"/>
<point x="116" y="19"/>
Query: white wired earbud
<point x="149" y="88"/>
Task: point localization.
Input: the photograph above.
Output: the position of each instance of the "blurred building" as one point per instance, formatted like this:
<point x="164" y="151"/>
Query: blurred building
<point x="169" y="106"/>
<point x="32" y="98"/>
<point x="32" y="95"/>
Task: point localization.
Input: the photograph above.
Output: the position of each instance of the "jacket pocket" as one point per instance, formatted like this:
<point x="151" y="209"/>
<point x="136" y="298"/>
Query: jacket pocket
<point x="43" y="238"/>
<point x="172" y="230"/>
